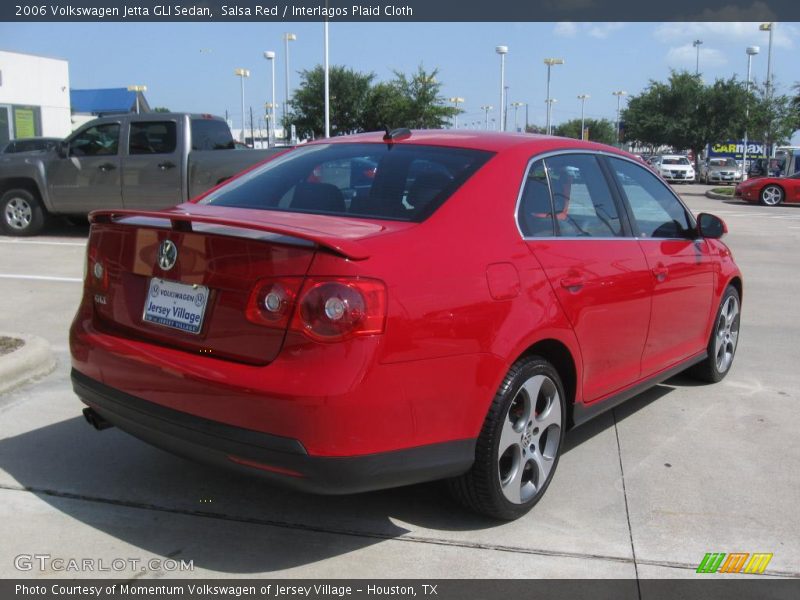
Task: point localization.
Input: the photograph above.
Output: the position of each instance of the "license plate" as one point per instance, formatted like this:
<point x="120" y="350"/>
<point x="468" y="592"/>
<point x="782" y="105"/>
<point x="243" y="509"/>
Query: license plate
<point x="176" y="305"/>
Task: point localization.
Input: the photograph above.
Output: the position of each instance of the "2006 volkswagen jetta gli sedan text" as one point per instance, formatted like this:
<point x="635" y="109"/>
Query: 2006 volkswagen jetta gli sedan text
<point x="379" y="310"/>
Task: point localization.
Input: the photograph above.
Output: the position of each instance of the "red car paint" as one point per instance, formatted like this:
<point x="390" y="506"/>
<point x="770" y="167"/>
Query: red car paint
<point x="465" y="296"/>
<point x="750" y="190"/>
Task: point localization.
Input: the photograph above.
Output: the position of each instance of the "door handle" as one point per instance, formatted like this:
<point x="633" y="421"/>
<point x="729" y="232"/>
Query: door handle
<point x="660" y="272"/>
<point x="573" y="284"/>
<point x="106" y="167"/>
<point x="166" y="165"/>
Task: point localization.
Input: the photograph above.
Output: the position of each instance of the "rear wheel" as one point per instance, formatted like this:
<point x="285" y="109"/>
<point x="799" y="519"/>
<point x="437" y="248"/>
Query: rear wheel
<point x="771" y="195"/>
<point x="724" y="339"/>
<point x="22" y="213"/>
<point x="519" y="445"/>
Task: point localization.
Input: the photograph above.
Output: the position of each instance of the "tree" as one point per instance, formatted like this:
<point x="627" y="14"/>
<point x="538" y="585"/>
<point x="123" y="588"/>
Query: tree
<point x="600" y="130"/>
<point x="349" y="93"/>
<point x="773" y="119"/>
<point x="414" y="102"/>
<point x="161" y="109"/>
<point x="686" y="114"/>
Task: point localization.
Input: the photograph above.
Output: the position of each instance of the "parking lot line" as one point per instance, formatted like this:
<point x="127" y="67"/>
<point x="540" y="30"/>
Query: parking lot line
<point x="41" y="278"/>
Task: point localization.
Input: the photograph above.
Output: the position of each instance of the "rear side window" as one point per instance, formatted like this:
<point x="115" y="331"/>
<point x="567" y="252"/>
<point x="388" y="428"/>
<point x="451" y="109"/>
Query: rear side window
<point x="399" y="182"/>
<point x="535" y="206"/>
<point x="656" y="211"/>
<point x="582" y="202"/>
<point x="211" y="134"/>
<point x="158" y="137"/>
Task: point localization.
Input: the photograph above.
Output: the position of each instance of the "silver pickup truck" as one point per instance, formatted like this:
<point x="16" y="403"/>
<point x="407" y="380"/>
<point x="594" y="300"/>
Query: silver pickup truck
<point x="146" y="161"/>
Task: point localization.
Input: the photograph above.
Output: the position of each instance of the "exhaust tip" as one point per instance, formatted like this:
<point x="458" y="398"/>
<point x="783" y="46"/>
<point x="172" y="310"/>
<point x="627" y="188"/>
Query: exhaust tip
<point x="95" y="420"/>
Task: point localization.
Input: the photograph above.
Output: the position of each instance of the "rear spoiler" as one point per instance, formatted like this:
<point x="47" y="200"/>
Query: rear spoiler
<point x="181" y="221"/>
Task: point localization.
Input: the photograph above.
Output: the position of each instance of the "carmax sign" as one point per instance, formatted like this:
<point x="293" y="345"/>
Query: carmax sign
<point x="733" y="149"/>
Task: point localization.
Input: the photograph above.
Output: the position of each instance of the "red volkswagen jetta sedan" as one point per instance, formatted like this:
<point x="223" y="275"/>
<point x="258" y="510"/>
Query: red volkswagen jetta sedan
<point x="379" y="310"/>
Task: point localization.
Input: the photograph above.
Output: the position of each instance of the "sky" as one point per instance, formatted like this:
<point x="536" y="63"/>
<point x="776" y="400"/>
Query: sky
<point x="189" y="66"/>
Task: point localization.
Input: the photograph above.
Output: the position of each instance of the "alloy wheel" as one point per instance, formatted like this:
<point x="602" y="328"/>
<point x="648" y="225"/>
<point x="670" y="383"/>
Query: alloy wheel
<point x="727" y="334"/>
<point x="18" y="213"/>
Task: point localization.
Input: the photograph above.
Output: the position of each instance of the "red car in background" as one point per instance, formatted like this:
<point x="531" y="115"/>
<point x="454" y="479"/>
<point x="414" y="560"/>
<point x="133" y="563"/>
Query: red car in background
<point x="770" y="191"/>
<point x="448" y="317"/>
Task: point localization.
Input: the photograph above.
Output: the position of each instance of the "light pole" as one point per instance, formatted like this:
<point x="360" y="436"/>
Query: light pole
<point x="769" y="27"/>
<point x="138" y="89"/>
<point x="516" y="106"/>
<point x="583" y="98"/>
<point x="550" y="62"/>
<point x="270" y="56"/>
<point x="327" y="85"/>
<point x="619" y="94"/>
<point x="241" y="74"/>
<point x="287" y="37"/>
<point x="751" y="52"/>
<point x="456" y="100"/>
<point x="502" y="51"/>
<point x="550" y="102"/>
<point x="486" y="108"/>
<point x="697" y="44"/>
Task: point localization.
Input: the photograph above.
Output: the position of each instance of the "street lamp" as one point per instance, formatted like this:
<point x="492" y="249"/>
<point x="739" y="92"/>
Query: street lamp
<point x="697" y="44"/>
<point x="502" y="51"/>
<point x="456" y="100"/>
<point x="241" y="74"/>
<point x="486" y="108"/>
<point x="619" y="94"/>
<point x="287" y="37"/>
<point x="326" y="67"/>
<point x="138" y="89"/>
<point x="769" y="27"/>
<point x="751" y="52"/>
<point x="583" y="98"/>
<point x="550" y="102"/>
<point x="516" y="106"/>
<point x="270" y="56"/>
<point x="550" y="62"/>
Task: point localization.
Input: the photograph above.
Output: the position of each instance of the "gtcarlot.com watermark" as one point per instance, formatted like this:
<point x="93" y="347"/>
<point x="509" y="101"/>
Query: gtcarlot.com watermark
<point x="58" y="564"/>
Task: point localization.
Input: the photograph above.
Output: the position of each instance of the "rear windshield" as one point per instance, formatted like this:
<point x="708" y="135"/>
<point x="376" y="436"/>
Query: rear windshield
<point x="384" y="181"/>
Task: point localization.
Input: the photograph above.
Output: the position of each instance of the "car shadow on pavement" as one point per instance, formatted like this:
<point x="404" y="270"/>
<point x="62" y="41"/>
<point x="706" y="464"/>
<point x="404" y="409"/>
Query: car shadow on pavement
<point x="223" y="521"/>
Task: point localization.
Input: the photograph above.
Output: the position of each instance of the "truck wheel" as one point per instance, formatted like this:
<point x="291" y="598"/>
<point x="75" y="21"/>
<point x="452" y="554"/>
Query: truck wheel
<point x="22" y="213"/>
<point x="519" y="445"/>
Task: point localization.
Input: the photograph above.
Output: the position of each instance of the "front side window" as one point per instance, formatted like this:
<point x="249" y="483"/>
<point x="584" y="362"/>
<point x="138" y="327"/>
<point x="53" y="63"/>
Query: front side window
<point x="582" y="202"/>
<point x="656" y="211"/>
<point x="159" y="137"/>
<point x="386" y="181"/>
<point x="98" y="140"/>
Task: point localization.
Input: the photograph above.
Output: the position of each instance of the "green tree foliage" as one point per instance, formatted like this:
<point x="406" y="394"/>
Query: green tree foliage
<point x="600" y="130"/>
<point x="349" y="94"/>
<point x="161" y="109"/>
<point x="359" y="105"/>
<point x="686" y="114"/>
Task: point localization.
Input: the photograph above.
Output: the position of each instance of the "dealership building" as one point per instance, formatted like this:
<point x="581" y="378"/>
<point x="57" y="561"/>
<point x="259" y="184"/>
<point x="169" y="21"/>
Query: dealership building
<point x="34" y="96"/>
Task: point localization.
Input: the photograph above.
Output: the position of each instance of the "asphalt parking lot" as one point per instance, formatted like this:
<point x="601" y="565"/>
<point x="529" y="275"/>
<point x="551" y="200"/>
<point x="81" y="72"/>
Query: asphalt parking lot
<point x="645" y="490"/>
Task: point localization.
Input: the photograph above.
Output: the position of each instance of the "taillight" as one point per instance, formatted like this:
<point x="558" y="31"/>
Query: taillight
<point x="271" y="302"/>
<point x="326" y="309"/>
<point x="332" y="309"/>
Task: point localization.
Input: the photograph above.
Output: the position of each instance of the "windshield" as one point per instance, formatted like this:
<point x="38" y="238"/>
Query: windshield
<point x="722" y="162"/>
<point x="675" y="160"/>
<point x="386" y="181"/>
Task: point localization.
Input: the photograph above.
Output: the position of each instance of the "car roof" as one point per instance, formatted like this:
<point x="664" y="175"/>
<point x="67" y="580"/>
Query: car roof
<point x="491" y="141"/>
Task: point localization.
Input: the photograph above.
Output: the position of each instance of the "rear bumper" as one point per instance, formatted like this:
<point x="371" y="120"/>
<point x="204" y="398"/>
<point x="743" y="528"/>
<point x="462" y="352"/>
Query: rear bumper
<point x="280" y="459"/>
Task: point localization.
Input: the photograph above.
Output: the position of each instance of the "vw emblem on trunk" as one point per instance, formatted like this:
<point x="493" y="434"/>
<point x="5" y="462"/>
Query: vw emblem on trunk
<point x="167" y="255"/>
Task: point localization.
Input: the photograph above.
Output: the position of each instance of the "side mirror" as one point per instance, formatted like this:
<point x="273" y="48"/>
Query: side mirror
<point x="63" y="149"/>
<point x="710" y="226"/>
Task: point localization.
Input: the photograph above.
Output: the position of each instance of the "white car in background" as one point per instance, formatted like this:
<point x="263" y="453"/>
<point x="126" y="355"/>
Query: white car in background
<point x="675" y="168"/>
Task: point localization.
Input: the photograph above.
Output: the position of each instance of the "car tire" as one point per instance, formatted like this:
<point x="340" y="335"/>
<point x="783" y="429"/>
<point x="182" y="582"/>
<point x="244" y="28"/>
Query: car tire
<point x="21" y="213"/>
<point x="771" y="195"/>
<point x="519" y="445"/>
<point x="723" y="341"/>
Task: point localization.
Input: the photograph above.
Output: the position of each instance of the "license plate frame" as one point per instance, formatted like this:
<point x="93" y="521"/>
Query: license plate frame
<point x="175" y="305"/>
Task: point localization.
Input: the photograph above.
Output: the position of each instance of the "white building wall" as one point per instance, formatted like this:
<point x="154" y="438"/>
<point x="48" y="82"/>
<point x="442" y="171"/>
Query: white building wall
<point x="38" y="81"/>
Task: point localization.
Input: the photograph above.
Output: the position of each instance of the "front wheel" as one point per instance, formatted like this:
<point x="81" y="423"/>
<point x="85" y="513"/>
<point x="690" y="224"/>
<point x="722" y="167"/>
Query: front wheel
<point x="22" y="213"/>
<point x="519" y="445"/>
<point x="723" y="341"/>
<point x="772" y="195"/>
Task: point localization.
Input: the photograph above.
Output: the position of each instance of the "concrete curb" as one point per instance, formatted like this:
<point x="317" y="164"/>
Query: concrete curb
<point x="713" y="196"/>
<point x="34" y="359"/>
